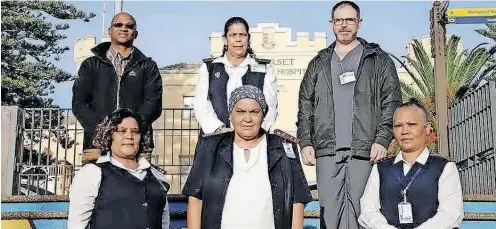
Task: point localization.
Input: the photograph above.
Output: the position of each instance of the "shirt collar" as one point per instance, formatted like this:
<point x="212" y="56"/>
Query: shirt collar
<point x="223" y="59"/>
<point x="143" y="164"/>
<point x="422" y="158"/>
<point x="114" y="53"/>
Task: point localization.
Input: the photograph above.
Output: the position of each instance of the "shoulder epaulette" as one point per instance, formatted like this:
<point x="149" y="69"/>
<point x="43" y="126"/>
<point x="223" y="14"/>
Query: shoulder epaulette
<point x="208" y="60"/>
<point x="158" y="169"/>
<point x="217" y="133"/>
<point x="286" y="136"/>
<point x="262" y="61"/>
<point x="442" y="156"/>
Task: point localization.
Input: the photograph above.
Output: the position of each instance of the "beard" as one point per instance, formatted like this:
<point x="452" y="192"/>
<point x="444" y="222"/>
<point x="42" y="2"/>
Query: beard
<point x="345" y="36"/>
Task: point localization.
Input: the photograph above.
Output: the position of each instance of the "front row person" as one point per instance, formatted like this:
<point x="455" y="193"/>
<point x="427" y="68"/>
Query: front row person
<point x="121" y="190"/>
<point x="246" y="178"/>
<point x="415" y="189"/>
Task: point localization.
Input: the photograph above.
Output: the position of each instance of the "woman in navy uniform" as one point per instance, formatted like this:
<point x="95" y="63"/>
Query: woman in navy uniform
<point x="237" y="66"/>
<point x="121" y="189"/>
<point x="246" y="178"/>
<point x="416" y="188"/>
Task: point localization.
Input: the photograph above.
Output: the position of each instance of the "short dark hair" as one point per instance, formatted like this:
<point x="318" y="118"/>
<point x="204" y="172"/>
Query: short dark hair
<point x="344" y="3"/>
<point x="238" y="20"/>
<point x="413" y="102"/>
<point x="107" y="127"/>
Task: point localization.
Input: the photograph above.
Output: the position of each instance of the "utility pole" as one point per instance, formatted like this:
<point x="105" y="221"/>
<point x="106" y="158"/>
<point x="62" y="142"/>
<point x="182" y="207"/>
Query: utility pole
<point x="438" y="41"/>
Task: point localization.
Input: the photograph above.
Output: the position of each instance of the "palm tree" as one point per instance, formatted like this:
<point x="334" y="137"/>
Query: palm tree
<point x="464" y="69"/>
<point x="490" y="32"/>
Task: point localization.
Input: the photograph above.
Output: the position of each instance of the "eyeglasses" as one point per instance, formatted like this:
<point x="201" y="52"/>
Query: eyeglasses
<point x="121" y="24"/>
<point x="349" y="21"/>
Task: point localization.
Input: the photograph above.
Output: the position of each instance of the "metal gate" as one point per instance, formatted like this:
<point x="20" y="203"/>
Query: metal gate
<point x="472" y="139"/>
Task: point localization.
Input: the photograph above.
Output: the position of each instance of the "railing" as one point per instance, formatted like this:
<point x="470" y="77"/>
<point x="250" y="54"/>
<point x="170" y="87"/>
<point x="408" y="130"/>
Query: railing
<point x="50" y="149"/>
<point x="472" y="139"/>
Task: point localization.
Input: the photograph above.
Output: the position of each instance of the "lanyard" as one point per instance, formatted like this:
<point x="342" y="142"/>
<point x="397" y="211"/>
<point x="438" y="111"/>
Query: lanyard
<point x="409" y="183"/>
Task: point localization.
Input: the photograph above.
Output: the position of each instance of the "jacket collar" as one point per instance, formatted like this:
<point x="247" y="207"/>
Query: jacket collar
<point x="101" y="49"/>
<point x="274" y="149"/>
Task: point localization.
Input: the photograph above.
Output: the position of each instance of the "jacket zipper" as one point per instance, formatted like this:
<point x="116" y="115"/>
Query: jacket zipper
<point x="119" y="80"/>
<point x="359" y="72"/>
<point x="118" y="90"/>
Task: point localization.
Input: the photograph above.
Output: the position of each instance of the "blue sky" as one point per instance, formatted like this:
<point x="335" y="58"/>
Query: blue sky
<point x="172" y="32"/>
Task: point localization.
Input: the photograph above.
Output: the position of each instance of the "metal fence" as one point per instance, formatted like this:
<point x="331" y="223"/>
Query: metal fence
<point x="51" y="141"/>
<point x="472" y="139"/>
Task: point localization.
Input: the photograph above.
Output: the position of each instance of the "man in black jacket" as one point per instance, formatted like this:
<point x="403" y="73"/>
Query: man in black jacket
<point x="118" y="76"/>
<point x="346" y="103"/>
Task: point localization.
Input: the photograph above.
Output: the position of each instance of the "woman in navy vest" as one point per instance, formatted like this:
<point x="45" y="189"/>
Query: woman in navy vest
<point x="121" y="190"/>
<point x="246" y="178"/>
<point x="414" y="189"/>
<point x="237" y="66"/>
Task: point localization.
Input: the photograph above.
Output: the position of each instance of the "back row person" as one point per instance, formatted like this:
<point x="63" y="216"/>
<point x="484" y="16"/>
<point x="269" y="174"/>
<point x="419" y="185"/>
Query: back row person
<point x="237" y="66"/>
<point x="119" y="75"/>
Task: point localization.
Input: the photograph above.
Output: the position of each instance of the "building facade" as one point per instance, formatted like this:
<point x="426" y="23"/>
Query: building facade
<point x="176" y="131"/>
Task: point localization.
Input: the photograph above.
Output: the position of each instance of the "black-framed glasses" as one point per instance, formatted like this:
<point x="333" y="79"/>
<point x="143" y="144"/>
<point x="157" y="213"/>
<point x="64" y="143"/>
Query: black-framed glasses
<point x="121" y="24"/>
<point x="348" y="21"/>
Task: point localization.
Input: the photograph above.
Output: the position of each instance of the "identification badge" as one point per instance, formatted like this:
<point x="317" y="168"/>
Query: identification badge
<point x="288" y="147"/>
<point x="256" y="67"/>
<point x="405" y="212"/>
<point x="347" y="77"/>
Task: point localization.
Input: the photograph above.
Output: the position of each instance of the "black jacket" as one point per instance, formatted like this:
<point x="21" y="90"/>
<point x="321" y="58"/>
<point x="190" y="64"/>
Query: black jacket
<point x="212" y="171"/>
<point x="94" y="94"/>
<point x="377" y="94"/>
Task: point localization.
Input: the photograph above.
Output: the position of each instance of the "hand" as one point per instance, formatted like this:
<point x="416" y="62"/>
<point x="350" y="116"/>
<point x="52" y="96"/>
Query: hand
<point x="308" y="155"/>
<point x="377" y="152"/>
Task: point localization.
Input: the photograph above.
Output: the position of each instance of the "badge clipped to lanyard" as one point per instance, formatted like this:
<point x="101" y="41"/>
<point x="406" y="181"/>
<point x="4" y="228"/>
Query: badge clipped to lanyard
<point x="404" y="207"/>
<point x="347" y="77"/>
<point x="288" y="147"/>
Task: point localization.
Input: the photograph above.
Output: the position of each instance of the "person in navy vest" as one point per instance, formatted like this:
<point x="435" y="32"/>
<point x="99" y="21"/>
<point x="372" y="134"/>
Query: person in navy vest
<point x="121" y="189"/>
<point x="416" y="188"/>
<point x="237" y="66"/>
<point x="246" y="178"/>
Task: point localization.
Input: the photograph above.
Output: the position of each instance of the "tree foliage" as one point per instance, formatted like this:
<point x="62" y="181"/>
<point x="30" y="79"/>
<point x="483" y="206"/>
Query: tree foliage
<point x="464" y="68"/>
<point x="464" y="71"/>
<point x="29" y="45"/>
<point x="489" y="32"/>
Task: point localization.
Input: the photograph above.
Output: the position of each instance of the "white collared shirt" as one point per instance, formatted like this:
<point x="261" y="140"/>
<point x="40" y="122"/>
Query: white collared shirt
<point x="248" y="203"/>
<point x="204" y="111"/>
<point x="449" y="212"/>
<point x="84" y="190"/>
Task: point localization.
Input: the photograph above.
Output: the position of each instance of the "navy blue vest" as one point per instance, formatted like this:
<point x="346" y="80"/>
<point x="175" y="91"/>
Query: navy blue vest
<point x="217" y="88"/>
<point x="125" y="202"/>
<point x="422" y="193"/>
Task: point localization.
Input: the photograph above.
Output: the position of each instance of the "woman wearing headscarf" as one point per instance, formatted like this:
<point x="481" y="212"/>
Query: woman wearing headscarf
<point x="219" y="76"/>
<point x="246" y="178"/>
<point x="121" y="189"/>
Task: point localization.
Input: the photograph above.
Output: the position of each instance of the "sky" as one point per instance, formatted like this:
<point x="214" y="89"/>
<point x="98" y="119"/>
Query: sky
<point x="174" y="32"/>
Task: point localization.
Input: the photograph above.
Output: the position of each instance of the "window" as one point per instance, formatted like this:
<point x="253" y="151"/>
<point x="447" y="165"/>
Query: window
<point x="188" y="103"/>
